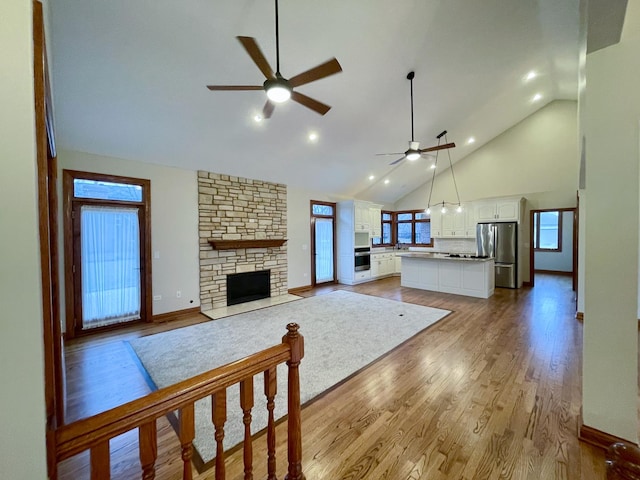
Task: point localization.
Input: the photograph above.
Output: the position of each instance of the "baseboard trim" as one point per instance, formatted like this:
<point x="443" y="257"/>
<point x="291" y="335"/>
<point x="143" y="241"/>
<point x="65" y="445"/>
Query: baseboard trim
<point x="526" y="284"/>
<point x="169" y="316"/>
<point x="579" y="316"/>
<point x="304" y="288"/>
<point x="596" y="437"/>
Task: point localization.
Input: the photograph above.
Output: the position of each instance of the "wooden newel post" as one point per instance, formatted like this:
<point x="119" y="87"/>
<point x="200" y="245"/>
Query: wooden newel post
<point x="294" y="451"/>
<point x="623" y="462"/>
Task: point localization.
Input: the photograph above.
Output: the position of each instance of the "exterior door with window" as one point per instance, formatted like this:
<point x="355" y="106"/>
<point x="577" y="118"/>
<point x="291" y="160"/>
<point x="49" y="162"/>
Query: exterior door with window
<point x="323" y="236"/>
<point x="108" y="279"/>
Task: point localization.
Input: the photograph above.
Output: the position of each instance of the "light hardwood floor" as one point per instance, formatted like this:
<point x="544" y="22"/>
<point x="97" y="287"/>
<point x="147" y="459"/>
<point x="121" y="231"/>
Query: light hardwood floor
<point x="491" y="392"/>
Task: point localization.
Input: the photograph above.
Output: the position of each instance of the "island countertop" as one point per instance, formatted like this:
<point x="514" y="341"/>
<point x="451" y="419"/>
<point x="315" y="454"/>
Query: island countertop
<point x="442" y="256"/>
<point x="474" y="277"/>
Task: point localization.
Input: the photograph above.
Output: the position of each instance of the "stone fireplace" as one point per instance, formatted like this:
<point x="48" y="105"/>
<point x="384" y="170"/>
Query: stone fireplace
<point x="232" y="211"/>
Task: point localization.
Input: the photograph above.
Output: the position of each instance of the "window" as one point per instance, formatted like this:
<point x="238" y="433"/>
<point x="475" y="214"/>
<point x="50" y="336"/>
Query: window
<point x="547" y="230"/>
<point x="413" y="228"/>
<point x="386" y="218"/>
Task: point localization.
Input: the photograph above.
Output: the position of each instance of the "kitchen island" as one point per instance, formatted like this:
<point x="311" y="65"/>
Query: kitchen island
<point x="473" y="277"/>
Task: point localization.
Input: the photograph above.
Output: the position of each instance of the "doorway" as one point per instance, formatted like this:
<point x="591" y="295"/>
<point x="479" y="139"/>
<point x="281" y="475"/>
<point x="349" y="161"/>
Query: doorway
<point x="107" y="251"/>
<point x="553" y="243"/>
<point x="323" y="242"/>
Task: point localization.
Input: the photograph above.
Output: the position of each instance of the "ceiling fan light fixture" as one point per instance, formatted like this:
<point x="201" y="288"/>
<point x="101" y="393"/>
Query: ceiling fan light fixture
<point x="412" y="155"/>
<point x="277" y="91"/>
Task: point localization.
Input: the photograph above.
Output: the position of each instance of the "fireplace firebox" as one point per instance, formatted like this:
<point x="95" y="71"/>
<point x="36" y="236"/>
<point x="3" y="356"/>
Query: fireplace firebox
<point x="248" y="286"/>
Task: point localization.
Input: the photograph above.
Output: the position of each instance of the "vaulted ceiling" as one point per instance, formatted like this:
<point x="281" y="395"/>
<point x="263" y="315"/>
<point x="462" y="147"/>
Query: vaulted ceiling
<point x="129" y="81"/>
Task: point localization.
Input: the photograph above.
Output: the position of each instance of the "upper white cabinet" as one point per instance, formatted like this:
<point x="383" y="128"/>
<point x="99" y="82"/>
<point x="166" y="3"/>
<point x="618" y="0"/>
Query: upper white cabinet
<point x="505" y="210"/>
<point x="470" y="221"/>
<point x="453" y="223"/>
<point x="362" y="216"/>
<point x="375" y="211"/>
<point x="435" y="219"/>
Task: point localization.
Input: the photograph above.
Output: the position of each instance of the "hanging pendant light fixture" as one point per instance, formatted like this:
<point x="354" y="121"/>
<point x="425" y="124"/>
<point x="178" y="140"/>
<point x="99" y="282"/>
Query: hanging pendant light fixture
<point x="443" y="204"/>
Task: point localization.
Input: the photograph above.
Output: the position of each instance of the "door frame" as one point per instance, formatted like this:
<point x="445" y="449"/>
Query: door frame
<point x="46" y="175"/>
<point x="312" y="223"/>
<point x="71" y="256"/>
<point x="574" y="243"/>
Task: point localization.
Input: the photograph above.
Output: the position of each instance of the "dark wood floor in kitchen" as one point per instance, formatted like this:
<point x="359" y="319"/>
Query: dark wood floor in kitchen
<point x="491" y="392"/>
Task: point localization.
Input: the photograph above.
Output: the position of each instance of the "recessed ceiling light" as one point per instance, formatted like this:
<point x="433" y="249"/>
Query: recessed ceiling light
<point x="531" y="75"/>
<point x="371" y="177"/>
<point x="313" y="136"/>
<point x="257" y="118"/>
<point x="386" y="181"/>
<point x="471" y="140"/>
<point x="537" y="97"/>
<point x="433" y="165"/>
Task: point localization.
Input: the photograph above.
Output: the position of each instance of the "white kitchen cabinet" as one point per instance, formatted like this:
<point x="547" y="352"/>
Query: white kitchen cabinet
<point x="435" y="220"/>
<point x="362" y="216"/>
<point x="375" y="212"/>
<point x="470" y="221"/>
<point x="453" y="223"/>
<point x="505" y="210"/>
<point x="382" y="264"/>
<point x="398" y="264"/>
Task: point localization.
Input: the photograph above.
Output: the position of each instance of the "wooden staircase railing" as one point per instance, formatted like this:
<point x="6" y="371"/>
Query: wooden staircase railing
<point x="94" y="433"/>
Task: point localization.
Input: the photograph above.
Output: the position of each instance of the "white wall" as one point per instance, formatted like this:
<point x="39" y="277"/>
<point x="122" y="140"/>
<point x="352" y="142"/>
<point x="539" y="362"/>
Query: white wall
<point x="610" y="353"/>
<point x="536" y="158"/>
<point x="174" y="224"/>
<point x="539" y="154"/>
<point x="559" y="261"/>
<point x="22" y="409"/>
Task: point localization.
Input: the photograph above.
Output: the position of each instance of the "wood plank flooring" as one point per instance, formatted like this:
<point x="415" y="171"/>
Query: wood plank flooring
<point x="491" y="392"/>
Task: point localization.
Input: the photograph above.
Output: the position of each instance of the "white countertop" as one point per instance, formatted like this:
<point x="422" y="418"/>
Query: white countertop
<point x="441" y="256"/>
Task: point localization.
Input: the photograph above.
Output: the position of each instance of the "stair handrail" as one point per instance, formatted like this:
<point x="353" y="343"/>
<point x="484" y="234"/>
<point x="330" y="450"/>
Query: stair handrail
<point x="86" y="434"/>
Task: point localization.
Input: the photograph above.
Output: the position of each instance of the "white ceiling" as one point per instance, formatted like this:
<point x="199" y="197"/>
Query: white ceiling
<point x="129" y="81"/>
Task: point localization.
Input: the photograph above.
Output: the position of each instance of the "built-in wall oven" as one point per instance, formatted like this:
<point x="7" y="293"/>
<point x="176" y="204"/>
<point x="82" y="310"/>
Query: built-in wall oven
<point x="362" y="257"/>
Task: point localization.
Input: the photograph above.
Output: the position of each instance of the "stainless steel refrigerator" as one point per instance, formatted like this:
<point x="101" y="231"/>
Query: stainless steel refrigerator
<point x="500" y="241"/>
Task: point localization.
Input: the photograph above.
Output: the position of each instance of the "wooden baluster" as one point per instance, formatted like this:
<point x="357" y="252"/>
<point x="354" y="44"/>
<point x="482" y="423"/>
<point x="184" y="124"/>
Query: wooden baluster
<point x="219" y="414"/>
<point x="100" y="461"/>
<point x="246" y="403"/>
<point x="294" y="446"/>
<point x="270" y="390"/>
<point x="148" y="439"/>
<point x="187" y="433"/>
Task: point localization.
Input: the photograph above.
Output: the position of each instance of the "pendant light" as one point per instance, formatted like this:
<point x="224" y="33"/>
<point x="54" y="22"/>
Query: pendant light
<point x="443" y="204"/>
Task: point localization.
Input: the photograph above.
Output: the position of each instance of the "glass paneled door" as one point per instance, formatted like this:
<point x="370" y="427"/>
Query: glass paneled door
<point x="109" y="265"/>
<point x="107" y="241"/>
<point x="323" y="241"/>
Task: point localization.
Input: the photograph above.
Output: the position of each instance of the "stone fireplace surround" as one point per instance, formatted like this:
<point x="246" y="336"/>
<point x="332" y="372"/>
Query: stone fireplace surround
<point x="235" y="208"/>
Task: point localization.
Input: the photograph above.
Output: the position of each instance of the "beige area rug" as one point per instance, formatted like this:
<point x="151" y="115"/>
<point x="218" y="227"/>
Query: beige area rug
<point x="343" y="332"/>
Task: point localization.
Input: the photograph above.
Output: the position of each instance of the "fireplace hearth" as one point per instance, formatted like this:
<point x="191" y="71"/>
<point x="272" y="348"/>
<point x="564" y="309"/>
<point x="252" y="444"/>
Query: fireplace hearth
<point x="248" y="286"/>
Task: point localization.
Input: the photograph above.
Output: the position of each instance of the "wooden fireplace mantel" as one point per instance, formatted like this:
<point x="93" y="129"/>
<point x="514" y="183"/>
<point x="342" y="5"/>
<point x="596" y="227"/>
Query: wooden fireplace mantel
<point x="235" y="244"/>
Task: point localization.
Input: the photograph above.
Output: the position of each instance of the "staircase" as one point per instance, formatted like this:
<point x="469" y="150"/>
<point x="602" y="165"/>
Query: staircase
<point x="94" y="433"/>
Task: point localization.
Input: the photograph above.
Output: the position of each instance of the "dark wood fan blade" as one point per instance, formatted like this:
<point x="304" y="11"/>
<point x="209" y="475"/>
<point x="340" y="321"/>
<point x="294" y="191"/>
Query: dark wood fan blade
<point x="397" y="161"/>
<point x="309" y="102"/>
<point x="252" y="48"/>
<point x="267" y="110"/>
<point x="438" y="147"/>
<point x="397" y="153"/>
<point x="235" y="87"/>
<point x="330" y="67"/>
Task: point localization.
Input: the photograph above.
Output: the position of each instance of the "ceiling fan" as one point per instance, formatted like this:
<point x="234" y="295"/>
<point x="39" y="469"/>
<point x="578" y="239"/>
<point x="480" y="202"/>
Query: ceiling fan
<point x="278" y="88"/>
<point x="415" y="152"/>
